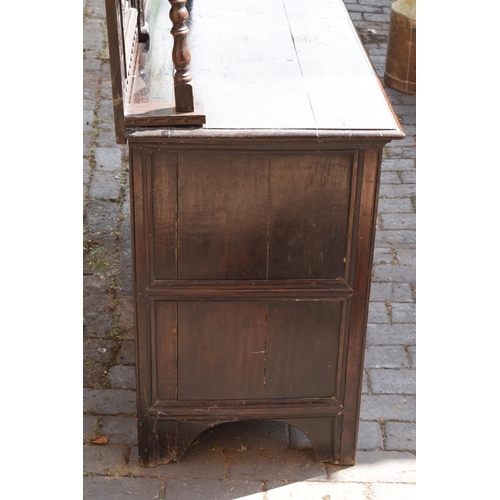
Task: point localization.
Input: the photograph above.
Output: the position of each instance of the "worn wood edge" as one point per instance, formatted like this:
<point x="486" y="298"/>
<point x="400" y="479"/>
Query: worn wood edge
<point x="244" y="410"/>
<point x="161" y="115"/>
<point x="368" y="204"/>
<point x="115" y="71"/>
<point x="227" y="292"/>
<point x="251" y="137"/>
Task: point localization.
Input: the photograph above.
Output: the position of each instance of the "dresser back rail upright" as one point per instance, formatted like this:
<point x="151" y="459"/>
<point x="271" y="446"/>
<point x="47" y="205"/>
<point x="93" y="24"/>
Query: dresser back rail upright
<point x="253" y="214"/>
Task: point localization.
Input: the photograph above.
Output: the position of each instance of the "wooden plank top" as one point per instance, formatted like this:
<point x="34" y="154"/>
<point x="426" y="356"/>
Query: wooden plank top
<point x="277" y="65"/>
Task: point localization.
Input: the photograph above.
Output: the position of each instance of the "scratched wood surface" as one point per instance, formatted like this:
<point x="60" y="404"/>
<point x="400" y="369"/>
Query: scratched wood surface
<point x="276" y="65"/>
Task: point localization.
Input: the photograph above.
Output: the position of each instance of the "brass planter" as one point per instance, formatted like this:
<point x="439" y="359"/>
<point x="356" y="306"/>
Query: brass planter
<point x="400" y="69"/>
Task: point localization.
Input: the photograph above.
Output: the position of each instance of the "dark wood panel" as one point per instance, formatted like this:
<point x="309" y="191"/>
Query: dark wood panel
<point x="221" y="350"/>
<point x="302" y="348"/>
<point x="164" y="214"/>
<point x="222" y="215"/>
<point x="309" y="215"/>
<point x="165" y="349"/>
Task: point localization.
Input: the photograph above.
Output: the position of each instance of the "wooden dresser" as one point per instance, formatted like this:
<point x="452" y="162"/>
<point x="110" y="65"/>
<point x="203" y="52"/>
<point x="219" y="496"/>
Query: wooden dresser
<point x="253" y="214"/>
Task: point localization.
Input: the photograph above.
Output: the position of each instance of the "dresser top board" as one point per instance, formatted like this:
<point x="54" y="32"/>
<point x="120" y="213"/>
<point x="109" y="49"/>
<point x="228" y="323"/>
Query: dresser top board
<point x="279" y="65"/>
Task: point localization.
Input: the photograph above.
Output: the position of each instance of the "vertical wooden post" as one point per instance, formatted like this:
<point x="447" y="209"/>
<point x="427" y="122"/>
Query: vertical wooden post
<point x="181" y="57"/>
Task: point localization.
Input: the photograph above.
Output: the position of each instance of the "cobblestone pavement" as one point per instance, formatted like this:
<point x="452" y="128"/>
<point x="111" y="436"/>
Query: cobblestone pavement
<point x="243" y="460"/>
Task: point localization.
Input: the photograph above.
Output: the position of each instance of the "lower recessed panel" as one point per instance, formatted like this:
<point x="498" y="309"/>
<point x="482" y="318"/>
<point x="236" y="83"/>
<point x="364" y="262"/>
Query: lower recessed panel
<point x="249" y="350"/>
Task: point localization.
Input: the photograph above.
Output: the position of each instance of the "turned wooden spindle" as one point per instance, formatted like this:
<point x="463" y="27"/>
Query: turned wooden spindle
<point x="181" y="57"/>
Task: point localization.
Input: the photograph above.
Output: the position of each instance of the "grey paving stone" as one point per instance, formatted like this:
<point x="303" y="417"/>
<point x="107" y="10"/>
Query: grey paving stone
<point x="109" y="401"/>
<point x="205" y="489"/>
<point x="391" y="292"/>
<point x="355" y="7"/>
<point x="365" y="389"/>
<point x="125" y="274"/>
<point x="125" y="310"/>
<point x="400" y="436"/>
<point x="356" y="16"/>
<point x="273" y="464"/>
<point x="389" y="381"/>
<point x="378" y="467"/>
<point x="89" y="94"/>
<point x="382" y="491"/>
<point x="397" y="190"/>
<point x="400" y="334"/>
<point x="92" y="61"/>
<point x="390" y="178"/>
<point x="95" y="9"/>
<point x="88" y="116"/>
<point x="120" y="430"/>
<point x="86" y="171"/>
<point x="409" y="141"/>
<point x="198" y="462"/>
<point x="406" y="256"/>
<point x="102" y="216"/>
<point x="107" y="126"/>
<point x="375" y="17"/>
<point x="315" y="491"/>
<point x="388" y="407"/>
<point x="92" y="34"/>
<point x="376" y="50"/>
<point x="404" y="152"/>
<point x="93" y="374"/>
<point x="104" y="459"/>
<point x="107" y="139"/>
<point x="400" y="164"/>
<point x="395" y="274"/>
<point x="87" y="139"/>
<point x="395" y="238"/>
<point x="381" y="3"/>
<point x="126" y="211"/>
<point x="298" y="440"/>
<point x="404" y="109"/>
<point x="413" y="355"/>
<point x="98" y="350"/>
<point x="126" y="355"/>
<point x="382" y="256"/>
<point x="125" y="229"/>
<point x="105" y="186"/>
<point x="90" y="425"/>
<point x="106" y="89"/>
<point x="377" y="313"/>
<point x="97" y="325"/>
<point x="409" y="177"/>
<point x="121" y="488"/>
<point x="386" y="357"/>
<point x="105" y="112"/>
<point x="369" y="436"/>
<point x="88" y="104"/>
<point x="108" y="158"/>
<point x="398" y="221"/>
<point x="403" y="313"/>
<point x="122" y="377"/>
<point x="395" y="205"/>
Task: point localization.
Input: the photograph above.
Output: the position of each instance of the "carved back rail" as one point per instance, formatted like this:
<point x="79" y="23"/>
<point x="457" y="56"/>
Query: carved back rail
<point x="127" y="28"/>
